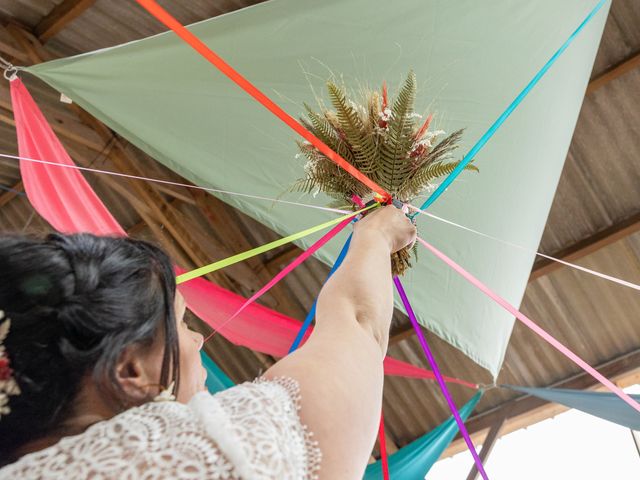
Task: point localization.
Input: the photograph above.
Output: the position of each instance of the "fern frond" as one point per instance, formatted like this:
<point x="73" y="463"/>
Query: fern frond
<point x="329" y="133"/>
<point x="361" y="143"/>
<point x="393" y="160"/>
<point x="417" y="182"/>
<point x="439" y="152"/>
<point x="305" y="185"/>
<point x="446" y="146"/>
<point x="373" y="111"/>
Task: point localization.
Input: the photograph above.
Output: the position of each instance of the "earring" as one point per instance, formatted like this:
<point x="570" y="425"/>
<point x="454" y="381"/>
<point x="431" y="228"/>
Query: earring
<point x="166" y="395"/>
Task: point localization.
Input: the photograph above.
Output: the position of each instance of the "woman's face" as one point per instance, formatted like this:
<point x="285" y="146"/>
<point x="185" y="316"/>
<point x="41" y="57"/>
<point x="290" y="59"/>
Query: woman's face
<point x="192" y="374"/>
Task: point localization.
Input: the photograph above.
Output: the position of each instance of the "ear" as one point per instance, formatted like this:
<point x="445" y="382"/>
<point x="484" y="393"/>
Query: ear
<point x="136" y="375"/>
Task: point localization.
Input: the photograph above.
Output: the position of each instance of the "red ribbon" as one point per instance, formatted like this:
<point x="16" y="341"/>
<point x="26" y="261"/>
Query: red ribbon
<point x="383" y="449"/>
<point x="165" y="17"/>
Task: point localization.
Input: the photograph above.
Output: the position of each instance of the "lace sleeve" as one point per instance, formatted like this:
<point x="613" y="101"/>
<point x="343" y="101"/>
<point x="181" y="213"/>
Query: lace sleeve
<point x="249" y="432"/>
<point x="258" y="428"/>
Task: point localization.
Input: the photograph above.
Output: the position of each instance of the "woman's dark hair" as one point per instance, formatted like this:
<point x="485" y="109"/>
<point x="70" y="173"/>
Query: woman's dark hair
<point x="75" y="303"/>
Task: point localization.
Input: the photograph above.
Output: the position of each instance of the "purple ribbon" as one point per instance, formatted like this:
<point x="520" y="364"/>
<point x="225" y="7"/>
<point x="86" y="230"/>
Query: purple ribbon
<point x="436" y="371"/>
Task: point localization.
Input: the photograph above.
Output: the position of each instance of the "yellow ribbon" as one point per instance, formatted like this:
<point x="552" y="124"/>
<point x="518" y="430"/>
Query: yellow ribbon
<point x="240" y="257"/>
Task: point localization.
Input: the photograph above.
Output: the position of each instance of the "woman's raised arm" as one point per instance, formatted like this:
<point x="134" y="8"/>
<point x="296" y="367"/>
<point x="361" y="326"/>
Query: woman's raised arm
<point x="339" y="368"/>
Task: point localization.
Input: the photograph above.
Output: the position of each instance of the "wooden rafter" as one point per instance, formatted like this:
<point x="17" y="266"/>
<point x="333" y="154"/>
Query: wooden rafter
<point x="282" y="257"/>
<point x="7" y="196"/>
<point x="400" y="333"/>
<point x="391" y="443"/>
<point x="9" y="47"/>
<point x="183" y="197"/>
<point x="60" y="17"/>
<point x="588" y="246"/>
<point x="617" y="71"/>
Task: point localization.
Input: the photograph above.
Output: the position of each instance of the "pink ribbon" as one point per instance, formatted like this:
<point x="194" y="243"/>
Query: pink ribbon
<point x="532" y="325"/>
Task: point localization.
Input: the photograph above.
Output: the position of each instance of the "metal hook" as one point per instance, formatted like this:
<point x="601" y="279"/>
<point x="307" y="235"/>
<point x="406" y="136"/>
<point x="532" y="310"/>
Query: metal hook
<point x="11" y="73"/>
<point x="487" y="386"/>
<point x="10" y="70"/>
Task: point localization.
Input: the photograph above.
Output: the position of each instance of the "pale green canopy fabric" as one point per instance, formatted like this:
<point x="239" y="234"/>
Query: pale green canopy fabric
<point x="471" y="59"/>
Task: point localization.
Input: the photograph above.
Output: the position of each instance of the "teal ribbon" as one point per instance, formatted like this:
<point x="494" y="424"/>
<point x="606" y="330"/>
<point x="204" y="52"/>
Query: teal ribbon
<point x="501" y="119"/>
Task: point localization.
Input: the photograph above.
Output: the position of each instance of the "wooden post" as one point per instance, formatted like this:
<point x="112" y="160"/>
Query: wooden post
<point x="487" y="446"/>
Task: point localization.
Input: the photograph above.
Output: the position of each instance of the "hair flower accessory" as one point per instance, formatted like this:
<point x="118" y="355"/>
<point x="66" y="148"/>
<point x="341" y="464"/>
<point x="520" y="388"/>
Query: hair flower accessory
<point x="8" y="385"/>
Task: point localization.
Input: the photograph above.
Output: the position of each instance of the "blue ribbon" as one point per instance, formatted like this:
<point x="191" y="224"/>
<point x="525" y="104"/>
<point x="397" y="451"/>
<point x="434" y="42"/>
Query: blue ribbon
<point x="312" y="312"/>
<point x="501" y="119"/>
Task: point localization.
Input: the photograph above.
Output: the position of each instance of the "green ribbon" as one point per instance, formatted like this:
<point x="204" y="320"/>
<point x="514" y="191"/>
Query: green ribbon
<point x="240" y="257"/>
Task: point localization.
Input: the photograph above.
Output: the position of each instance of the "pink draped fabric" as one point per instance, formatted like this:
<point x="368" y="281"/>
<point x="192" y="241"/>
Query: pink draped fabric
<point x="61" y="195"/>
<point x="66" y="200"/>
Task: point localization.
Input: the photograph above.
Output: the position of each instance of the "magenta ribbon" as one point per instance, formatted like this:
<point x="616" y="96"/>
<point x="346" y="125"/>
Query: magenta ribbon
<point x="289" y="268"/>
<point x="439" y="377"/>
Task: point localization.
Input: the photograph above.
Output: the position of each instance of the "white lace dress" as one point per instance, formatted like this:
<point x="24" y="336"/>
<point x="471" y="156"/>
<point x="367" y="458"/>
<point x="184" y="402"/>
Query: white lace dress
<point x="251" y="432"/>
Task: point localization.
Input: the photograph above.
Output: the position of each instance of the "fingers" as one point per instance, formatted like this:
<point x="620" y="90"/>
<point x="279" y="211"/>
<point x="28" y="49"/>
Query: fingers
<point x="392" y="223"/>
<point x="401" y="228"/>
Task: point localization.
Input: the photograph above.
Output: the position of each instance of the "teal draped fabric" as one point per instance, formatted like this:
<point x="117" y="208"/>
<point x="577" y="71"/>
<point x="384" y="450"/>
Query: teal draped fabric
<point x="605" y="405"/>
<point x="416" y="459"/>
<point x="217" y="380"/>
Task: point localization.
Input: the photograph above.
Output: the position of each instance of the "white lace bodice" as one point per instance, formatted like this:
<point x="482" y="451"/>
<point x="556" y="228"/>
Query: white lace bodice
<point x="251" y="432"/>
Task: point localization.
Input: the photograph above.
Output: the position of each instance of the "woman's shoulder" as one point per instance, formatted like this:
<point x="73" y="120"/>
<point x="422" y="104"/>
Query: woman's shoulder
<point x="160" y="439"/>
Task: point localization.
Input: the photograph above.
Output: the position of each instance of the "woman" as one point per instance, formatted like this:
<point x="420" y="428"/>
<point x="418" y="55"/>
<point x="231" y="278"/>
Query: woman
<point x="97" y="340"/>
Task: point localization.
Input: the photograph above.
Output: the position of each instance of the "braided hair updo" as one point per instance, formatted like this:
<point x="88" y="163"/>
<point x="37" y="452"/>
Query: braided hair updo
<point x="75" y="303"/>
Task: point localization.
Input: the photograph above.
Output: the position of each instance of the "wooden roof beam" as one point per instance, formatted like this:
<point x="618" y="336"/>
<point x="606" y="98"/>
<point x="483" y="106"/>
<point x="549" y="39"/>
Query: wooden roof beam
<point x="631" y="63"/>
<point x="389" y="441"/>
<point x="587" y="246"/>
<point x="60" y="17"/>
<point x="7" y="196"/>
<point x="63" y="132"/>
<point x="10" y="48"/>
<point x="282" y="257"/>
<point x="400" y="333"/>
<point x="487" y="446"/>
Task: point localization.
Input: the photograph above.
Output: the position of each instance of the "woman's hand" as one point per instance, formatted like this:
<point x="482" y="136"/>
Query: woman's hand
<point x="389" y="223"/>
